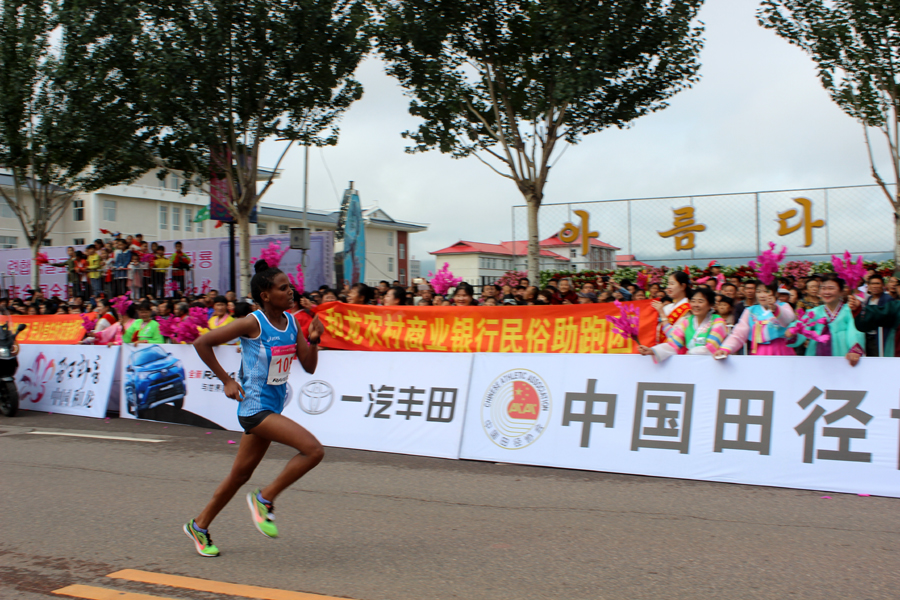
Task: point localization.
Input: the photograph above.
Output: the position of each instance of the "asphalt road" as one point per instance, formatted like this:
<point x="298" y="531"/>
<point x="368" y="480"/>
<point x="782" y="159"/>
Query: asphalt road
<point x="375" y="526"/>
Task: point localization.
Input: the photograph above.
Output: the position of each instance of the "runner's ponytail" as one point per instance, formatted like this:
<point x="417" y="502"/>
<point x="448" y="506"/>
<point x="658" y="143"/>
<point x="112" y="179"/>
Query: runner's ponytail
<point x="263" y="280"/>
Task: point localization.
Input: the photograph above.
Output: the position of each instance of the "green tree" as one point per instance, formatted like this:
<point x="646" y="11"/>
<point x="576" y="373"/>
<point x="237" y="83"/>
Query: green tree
<point x="511" y="82"/>
<point x="64" y="129"/>
<point x="224" y="76"/>
<point x="856" y="46"/>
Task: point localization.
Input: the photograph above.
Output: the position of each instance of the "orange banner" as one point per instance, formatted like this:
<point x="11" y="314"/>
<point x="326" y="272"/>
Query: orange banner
<point x="575" y="328"/>
<point x="49" y="329"/>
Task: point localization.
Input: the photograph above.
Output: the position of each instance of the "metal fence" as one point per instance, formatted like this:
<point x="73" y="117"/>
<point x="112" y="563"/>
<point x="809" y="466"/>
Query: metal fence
<point x="139" y="281"/>
<point x="812" y="223"/>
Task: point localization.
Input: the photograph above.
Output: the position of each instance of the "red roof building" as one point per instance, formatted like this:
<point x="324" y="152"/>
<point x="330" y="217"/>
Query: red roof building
<point x="478" y="262"/>
<point x="628" y="260"/>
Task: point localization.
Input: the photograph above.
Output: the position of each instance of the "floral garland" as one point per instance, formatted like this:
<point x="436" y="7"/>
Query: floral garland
<point x="443" y="280"/>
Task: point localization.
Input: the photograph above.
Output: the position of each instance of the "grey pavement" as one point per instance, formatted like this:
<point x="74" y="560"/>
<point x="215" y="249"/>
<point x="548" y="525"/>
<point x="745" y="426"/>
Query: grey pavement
<point x="376" y="526"/>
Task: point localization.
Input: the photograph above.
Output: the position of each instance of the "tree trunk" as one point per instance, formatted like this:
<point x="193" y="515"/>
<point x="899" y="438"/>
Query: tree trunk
<point x="35" y="268"/>
<point x="534" y="246"/>
<point x="897" y="238"/>
<point x="244" y="253"/>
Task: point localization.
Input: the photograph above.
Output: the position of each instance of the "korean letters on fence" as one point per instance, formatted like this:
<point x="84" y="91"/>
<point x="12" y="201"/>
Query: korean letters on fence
<point x="774" y="421"/>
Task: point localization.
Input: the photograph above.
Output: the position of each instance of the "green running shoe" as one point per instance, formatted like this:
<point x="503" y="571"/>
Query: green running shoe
<point x="263" y="515"/>
<point x="202" y="541"/>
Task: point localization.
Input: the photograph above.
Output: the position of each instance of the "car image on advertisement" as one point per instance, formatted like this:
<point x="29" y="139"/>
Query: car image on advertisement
<point x="153" y="377"/>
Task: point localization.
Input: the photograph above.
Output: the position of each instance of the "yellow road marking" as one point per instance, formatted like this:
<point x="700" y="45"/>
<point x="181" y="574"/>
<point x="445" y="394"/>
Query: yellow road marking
<point x="95" y="593"/>
<point x="216" y="587"/>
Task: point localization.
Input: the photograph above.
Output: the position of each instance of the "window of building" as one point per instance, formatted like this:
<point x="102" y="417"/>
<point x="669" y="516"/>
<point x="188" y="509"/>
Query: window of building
<point x="390" y="238"/>
<point x="9" y="241"/>
<point x="78" y="242"/>
<point x="403" y="276"/>
<point x="188" y="219"/>
<point x="282" y="228"/>
<point x="78" y="210"/>
<point x="262" y="228"/>
<point x="47" y="242"/>
<point x="175" y="184"/>
<point x="162" y="182"/>
<point x="109" y="210"/>
<point x="163" y="217"/>
<point x="6" y="210"/>
<point x="402" y="251"/>
<point x="200" y="226"/>
<point x="176" y="218"/>
<point x="390" y="264"/>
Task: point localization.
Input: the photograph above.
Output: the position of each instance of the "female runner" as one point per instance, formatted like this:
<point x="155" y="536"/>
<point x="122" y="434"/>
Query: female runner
<point x="269" y="342"/>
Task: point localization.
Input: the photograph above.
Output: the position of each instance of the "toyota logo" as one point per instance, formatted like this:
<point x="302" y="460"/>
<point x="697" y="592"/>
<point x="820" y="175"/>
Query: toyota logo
<point x="316" y="397"/>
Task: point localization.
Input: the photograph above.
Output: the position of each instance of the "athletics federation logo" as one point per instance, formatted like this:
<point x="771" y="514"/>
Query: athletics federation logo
<point x="516" y="409"/>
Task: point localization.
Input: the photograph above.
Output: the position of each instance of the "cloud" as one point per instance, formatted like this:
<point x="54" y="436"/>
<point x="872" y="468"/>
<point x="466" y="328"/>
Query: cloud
<point x="757" y="120"/>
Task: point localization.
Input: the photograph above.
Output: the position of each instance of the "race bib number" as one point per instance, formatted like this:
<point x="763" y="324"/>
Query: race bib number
<point x="280" y="366"/>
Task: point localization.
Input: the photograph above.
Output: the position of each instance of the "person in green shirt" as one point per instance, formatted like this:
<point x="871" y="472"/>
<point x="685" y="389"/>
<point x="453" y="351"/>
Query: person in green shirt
<point x="145" y="329"/>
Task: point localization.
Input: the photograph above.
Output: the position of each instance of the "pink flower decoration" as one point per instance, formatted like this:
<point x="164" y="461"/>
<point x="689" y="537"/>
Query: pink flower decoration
<point x="272" y="254"/>
<point x="299" y="281"/>
<point x="768" y="263"/>
<point x="852" y="273"/>
<point x="642" y="280"/>
<point x="444" y="280"/>
<point x="627" y="324"/>
<point x="88" y="323"/>
<point x="121" y="303"/>
<point x="804" y="325"/>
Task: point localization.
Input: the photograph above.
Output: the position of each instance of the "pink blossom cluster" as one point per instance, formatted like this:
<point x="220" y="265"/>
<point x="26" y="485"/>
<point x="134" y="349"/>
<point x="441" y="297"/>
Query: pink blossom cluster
<point x="443" y="280"/>
<point x="184" y="330"/>
<point x="797" y="268"/>
<point x="805" y="326"/>
<point x="852" y="273"/>
<point x="272" y="254"/>
<point x="121" y="303"/>
<point x="626" y="325"/>
<point x="511" y="278"/>
<point x="768" y="263"/>
<point x="299" y="281"/>
<point x="88" y="322"/>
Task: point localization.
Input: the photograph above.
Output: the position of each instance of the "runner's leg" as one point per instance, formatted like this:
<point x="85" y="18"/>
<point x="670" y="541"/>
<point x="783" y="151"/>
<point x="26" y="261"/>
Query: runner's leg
<point x="279" y="428"/>
<point x="250" y="453"/>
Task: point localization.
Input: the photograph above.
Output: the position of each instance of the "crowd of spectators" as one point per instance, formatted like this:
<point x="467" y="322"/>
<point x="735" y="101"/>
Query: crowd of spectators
<point x="154" y="278"/>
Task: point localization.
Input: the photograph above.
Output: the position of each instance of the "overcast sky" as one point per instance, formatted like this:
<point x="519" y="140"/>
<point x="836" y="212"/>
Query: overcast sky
<point x="757" y="120"/>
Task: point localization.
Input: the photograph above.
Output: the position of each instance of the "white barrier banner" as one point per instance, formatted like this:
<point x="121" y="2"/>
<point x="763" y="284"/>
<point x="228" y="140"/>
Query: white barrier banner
<point x="407" y="403"/>
<point x="812" y="423"/>
<point x="403" y="402"/>
<point x="71" y="380"/>
<point x="169" y="383"/>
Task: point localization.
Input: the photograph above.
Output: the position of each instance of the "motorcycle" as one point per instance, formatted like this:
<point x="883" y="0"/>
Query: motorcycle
<point x="9" y="349"/>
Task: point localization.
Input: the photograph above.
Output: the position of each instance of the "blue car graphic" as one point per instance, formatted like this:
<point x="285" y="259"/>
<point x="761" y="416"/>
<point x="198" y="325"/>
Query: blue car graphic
<point x="153" y="377"/>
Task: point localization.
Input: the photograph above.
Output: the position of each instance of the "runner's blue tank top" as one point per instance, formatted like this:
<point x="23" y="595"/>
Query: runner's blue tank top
<point x="265" y="366"/>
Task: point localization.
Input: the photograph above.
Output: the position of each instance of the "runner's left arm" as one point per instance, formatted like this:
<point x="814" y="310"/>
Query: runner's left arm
<point x="308" y="353"/>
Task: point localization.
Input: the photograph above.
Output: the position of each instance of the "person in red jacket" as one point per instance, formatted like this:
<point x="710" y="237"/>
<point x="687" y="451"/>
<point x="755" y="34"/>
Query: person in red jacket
<point x="565" y="294"/>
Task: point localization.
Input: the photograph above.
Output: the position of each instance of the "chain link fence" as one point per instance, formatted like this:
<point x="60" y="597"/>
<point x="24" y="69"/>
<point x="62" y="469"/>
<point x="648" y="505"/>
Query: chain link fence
<point x="734" y="228"/>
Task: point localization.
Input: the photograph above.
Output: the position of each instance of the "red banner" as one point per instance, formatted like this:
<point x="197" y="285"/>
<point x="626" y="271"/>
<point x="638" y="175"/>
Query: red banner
<point x="49" y="329"/>
<point x="575" y="328"/>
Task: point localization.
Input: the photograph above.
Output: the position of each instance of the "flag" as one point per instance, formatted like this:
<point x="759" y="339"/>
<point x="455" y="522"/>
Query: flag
<point x="202" y="215"/>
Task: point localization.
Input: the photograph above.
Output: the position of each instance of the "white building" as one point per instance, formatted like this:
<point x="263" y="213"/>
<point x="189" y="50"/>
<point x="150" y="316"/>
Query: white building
<point x="478" y="263"/>
<point x="157" y="209"/>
